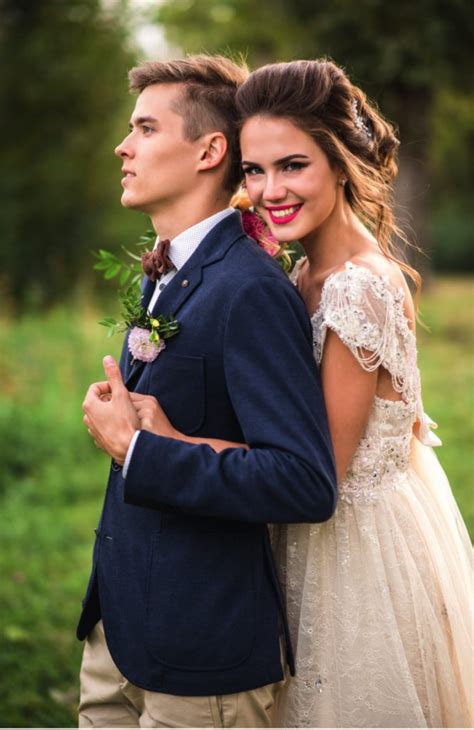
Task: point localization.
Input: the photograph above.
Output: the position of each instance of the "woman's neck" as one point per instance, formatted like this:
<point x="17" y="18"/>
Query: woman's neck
<point x="341" y="237"/>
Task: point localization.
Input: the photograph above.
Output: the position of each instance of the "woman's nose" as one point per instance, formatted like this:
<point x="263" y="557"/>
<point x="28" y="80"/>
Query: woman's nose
<point x="274" y="190"/>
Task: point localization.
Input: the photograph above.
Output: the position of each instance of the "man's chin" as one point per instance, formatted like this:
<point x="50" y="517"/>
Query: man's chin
<point x="132" y="203"/>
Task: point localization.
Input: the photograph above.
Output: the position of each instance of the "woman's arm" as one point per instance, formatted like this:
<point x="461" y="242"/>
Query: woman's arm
<point x="153" y="418"/>
<point x="349" y="392"/>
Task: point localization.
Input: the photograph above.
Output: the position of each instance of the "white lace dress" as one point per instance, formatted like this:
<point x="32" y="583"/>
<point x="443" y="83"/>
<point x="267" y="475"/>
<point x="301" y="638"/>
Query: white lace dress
<point x="379" y="596"/>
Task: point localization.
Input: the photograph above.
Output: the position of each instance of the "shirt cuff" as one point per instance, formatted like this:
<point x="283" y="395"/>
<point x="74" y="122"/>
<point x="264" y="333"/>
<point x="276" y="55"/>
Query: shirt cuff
<point x="129" y="454"/>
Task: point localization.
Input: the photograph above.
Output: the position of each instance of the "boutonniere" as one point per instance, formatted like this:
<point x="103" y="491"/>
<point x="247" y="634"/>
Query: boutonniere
<point x="147" y="333"/>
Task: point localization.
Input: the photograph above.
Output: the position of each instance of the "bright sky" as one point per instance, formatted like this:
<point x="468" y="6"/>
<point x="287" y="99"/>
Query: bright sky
<point x="149" y="37"/>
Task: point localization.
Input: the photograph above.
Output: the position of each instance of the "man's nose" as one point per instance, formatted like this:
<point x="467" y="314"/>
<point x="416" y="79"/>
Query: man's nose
<point x="124" y="148"/>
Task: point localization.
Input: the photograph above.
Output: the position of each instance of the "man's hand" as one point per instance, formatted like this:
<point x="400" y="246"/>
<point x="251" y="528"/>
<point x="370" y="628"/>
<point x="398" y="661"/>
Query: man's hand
<point x="109" y="414"/>
<point x="152" y="416"/>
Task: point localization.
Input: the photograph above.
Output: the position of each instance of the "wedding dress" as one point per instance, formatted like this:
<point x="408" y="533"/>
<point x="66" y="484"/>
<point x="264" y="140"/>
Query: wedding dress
<point x="378" y="597"/>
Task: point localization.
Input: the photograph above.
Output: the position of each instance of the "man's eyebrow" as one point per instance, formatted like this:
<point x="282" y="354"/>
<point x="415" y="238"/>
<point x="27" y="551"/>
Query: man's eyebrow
<point x="141" y="120"/>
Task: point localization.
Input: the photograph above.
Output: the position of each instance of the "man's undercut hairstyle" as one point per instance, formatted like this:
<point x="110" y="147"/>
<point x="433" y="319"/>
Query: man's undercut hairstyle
<point x="207" y="103"/>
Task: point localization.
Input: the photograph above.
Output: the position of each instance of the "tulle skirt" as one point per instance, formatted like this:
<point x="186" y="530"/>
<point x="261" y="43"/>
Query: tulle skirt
<point x="379" y="604"/>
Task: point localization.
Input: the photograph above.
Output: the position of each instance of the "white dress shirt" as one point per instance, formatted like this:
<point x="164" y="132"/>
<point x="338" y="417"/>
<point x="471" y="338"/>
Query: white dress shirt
<point x="181" y="249"/>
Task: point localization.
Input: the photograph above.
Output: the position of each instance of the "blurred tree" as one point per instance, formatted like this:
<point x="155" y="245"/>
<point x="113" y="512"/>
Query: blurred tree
<point x="404" y="55"/>
<point x="452" y="155"/>
<point x="63" y="83"/>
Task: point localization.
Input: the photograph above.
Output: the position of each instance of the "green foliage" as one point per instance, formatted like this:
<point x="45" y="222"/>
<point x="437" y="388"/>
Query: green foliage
<point x="130" y="273"/>
<point x="63" y="78"/>
<point x="413" y="59"/>
<point x="133" y="314"/>
<point x="452" y="143"/>
<point x="127" y="271"/>
<point x="51" y="488"/>
<point x="53" y="481"/>
<point x="418" y="45"/>
<point x="445" y="357"/>
<point x="452" y="238"/>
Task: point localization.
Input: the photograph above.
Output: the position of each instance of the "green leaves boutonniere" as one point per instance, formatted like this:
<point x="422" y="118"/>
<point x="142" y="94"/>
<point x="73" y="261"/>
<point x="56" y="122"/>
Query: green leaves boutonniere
<point x="147" y="333"/>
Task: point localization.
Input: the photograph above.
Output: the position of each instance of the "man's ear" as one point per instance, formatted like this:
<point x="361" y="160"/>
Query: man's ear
<point x="213" y="150"/>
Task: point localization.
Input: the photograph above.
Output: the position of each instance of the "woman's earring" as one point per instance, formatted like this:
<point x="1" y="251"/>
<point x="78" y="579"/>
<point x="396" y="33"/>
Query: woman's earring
<point x="342" y="181"/>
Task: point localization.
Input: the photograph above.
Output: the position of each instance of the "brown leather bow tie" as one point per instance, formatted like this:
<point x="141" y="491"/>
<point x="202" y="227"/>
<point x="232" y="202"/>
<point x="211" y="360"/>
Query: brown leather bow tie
<point x="156" y="263"/>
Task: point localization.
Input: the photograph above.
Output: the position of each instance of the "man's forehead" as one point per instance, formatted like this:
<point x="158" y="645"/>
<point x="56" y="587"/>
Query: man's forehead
<point x="157" y="97"/>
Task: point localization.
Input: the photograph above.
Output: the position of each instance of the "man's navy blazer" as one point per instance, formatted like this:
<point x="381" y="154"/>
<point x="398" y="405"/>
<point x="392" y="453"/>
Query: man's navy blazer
<point x="183" y="576"/>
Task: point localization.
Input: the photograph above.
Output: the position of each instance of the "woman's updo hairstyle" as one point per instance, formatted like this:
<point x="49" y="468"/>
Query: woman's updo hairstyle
<point x="319" y="98"/>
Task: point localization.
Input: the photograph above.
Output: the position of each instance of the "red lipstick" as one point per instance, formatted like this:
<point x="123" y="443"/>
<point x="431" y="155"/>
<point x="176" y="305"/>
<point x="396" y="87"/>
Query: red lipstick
<point x="282" y="214"/>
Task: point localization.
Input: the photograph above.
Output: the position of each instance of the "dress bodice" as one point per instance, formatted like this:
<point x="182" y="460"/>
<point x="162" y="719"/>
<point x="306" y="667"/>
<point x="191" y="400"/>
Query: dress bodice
<point x="367" y="313"/>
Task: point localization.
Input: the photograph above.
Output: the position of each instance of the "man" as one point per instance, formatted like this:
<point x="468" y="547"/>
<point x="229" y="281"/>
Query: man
<point x="183" y="581"/>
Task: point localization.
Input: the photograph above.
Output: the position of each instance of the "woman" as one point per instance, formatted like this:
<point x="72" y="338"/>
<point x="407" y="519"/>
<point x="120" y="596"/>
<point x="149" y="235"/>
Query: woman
<point x="378" y="596"/>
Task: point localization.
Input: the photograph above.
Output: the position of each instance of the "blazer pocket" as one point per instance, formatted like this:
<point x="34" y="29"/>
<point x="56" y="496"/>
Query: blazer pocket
<point x="201" y="602"/>
<point x="178" y="382"/>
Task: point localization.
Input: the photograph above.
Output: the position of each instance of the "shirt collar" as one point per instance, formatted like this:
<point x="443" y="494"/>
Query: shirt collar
<point x="184" y="245"/>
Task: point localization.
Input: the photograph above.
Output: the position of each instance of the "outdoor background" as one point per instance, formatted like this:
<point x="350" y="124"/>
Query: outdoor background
<point x="63" y="85"/>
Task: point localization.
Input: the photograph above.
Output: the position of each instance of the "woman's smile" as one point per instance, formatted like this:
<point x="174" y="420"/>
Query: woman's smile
<point x="282" y="214"/>
<point x="288" y="177"/>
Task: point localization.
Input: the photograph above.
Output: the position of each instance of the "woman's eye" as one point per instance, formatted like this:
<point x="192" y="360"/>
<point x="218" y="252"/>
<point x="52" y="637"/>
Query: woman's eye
<point x="146" y="129"/>
<point x="252" y="170"/>
<point x="292" y="166"/>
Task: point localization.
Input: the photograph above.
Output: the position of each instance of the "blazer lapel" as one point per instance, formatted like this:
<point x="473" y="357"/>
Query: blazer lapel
<point x="148" y="287"/>
<point x="180" y="288"/>
<point x="213" y="247"/>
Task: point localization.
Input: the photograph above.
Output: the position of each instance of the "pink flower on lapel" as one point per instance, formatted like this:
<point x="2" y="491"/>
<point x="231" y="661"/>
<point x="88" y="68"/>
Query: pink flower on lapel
<point x="141" y="347"/>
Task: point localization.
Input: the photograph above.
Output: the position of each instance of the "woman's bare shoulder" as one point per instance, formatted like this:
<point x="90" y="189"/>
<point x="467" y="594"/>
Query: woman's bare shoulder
<point x="379" y="265"/>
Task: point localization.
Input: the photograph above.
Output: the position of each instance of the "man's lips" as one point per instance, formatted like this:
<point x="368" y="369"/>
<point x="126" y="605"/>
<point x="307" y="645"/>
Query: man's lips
<point x="281" y="214"/>
<point x="127" y="175"/>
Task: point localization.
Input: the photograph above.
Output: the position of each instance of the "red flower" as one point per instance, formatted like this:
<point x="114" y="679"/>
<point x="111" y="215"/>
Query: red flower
<point x="257" y="229"/>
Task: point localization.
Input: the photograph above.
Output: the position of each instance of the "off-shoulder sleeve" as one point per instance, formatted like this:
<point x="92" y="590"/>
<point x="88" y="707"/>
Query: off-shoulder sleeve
<point x="366" y="312"/>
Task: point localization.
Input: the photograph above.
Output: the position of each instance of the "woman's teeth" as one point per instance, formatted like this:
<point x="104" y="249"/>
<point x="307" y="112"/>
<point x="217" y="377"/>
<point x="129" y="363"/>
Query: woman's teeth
<point x="285" y="212"/>
<point x="282" y="216"/>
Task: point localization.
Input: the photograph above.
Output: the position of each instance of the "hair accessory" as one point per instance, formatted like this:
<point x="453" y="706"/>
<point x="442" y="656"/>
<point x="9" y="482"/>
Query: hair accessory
<point x="359" y="122"/>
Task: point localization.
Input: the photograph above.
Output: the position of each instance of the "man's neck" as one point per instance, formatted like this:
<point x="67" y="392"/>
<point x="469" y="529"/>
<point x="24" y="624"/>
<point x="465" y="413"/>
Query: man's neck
<point x="171" y="222"/>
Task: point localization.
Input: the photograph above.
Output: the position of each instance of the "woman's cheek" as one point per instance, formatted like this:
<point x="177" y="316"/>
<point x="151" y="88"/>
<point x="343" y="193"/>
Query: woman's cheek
<point x="253" y="190"/>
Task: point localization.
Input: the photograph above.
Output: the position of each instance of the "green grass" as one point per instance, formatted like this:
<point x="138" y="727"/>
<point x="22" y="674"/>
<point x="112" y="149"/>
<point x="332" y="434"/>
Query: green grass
<point x="446" y="364"/>
<point x="50" y="493"/>
<point x="52" y="482"/>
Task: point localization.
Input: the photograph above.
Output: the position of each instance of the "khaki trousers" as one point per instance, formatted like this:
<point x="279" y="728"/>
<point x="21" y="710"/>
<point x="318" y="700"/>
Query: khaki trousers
<point x="110" y="700"/>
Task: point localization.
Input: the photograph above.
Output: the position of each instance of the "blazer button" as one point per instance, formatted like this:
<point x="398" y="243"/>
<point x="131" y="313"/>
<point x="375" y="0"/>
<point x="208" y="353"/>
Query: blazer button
<point x="115" y="466"/>
<point x="185" y="283"/>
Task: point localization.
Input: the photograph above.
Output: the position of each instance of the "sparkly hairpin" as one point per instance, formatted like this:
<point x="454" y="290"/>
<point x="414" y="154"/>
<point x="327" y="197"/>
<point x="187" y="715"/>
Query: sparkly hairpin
<point x="359" y="122"/>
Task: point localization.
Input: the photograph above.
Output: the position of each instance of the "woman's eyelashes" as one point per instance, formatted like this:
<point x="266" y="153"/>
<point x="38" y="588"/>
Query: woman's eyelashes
<point x="292" y="166"/>
<point x="252" y="170"/>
